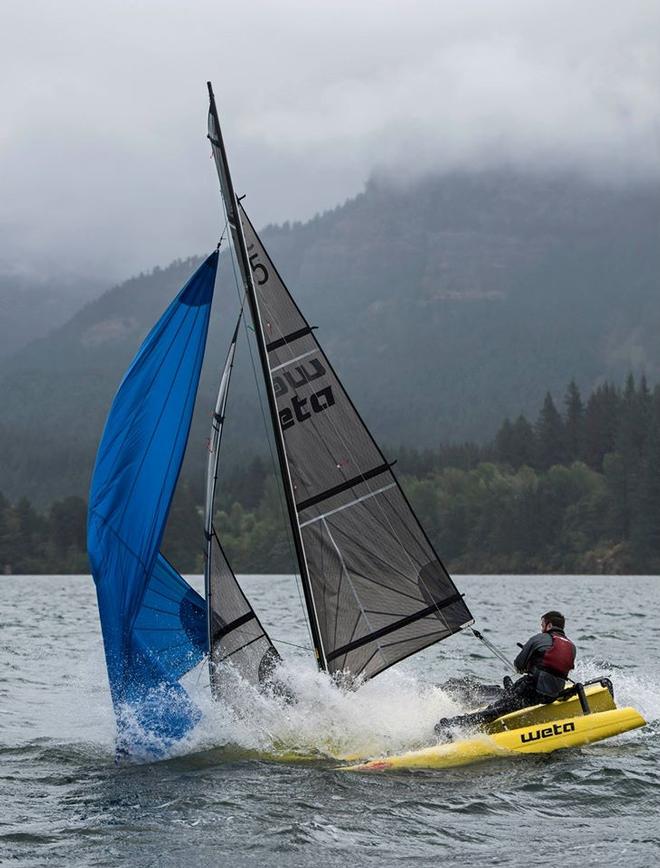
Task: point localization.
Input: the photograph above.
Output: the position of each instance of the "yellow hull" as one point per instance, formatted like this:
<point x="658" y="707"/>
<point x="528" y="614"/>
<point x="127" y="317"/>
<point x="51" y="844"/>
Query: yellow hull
<point x="598" y="697"/>
<point x="543" y="737"/>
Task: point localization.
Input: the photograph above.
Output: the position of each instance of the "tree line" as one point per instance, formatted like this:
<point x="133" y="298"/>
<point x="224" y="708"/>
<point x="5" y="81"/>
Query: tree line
<point x="575" y="490"/>
<point x="49" y="542"/>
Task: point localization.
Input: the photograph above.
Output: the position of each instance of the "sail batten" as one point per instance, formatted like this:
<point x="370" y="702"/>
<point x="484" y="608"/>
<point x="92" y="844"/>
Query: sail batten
<point x="344" y="486"/>
<point x="349" y="504"/>
<point x="232" y="625"/>
<point x="289" y="339"/>
<point x="397" y="625"/>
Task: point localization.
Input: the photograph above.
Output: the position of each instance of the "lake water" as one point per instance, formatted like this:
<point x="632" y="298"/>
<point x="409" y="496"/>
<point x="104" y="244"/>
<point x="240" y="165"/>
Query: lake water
<point x="221" y="800"/>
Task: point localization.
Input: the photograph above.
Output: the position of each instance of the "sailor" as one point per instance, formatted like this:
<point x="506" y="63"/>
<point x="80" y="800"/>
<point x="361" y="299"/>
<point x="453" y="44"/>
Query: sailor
<point x="545" y="659"/>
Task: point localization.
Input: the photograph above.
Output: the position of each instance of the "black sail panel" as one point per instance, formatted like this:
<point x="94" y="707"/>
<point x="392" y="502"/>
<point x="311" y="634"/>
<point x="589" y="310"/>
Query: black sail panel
<point x="380" y="591"/>
<point x="236" y="636"/>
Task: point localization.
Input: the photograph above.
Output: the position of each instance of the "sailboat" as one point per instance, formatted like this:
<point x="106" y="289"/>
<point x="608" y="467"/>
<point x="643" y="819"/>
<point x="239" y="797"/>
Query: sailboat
<point x="374" y="588"/>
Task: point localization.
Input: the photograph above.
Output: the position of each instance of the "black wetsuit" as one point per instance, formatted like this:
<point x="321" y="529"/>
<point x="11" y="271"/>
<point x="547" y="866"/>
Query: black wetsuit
<point x="536" y="686"/>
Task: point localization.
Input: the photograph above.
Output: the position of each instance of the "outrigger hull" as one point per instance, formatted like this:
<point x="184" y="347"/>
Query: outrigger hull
<point x="532" y="739"/>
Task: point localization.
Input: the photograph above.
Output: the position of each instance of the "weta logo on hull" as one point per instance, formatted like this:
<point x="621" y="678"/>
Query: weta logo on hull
<point x="547" y="732"/>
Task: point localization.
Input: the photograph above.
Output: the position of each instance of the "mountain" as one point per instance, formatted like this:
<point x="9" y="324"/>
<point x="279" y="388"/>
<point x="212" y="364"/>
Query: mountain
<point x="31" y="307"/>
<point x="445" y="307"/>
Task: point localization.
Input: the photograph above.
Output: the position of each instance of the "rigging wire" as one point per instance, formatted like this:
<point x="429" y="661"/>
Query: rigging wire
<point x="492" y="648"/>
<point x="294" y="644"/>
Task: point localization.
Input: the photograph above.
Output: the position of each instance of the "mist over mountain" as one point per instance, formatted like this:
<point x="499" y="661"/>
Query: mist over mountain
<point x="344" y="89"/>
<point x="445" y="306"/>
<point x="30" y="307"/>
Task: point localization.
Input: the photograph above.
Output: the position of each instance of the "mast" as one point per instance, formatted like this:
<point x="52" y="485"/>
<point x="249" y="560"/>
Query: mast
<point x="240" y="246"/>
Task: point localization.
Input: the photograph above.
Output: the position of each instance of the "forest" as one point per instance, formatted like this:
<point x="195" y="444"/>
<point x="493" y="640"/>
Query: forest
<point x="577" y="490"/>
<point x="444" y="306"/>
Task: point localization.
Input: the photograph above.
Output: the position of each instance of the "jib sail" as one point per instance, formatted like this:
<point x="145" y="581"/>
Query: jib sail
<point x="235" y="633"/>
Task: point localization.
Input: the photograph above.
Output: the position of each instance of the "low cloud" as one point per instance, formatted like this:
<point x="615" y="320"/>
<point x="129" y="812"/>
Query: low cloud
<point x="105" y="162"/>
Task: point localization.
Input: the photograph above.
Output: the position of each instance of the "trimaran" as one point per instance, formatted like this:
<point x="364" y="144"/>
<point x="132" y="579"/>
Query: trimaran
<point x="375" y="590"/>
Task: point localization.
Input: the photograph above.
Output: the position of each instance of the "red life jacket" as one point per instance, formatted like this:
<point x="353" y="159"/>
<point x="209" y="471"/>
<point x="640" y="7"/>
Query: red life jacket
<point x="560" y="657"/>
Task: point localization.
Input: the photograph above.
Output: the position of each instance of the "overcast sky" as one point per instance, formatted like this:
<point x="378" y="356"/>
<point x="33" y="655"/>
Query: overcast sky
<point x="104" y="164"/>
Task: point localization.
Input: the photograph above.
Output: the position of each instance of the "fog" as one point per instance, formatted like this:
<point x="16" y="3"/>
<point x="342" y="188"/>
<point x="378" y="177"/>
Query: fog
<point x="105" y="163"/>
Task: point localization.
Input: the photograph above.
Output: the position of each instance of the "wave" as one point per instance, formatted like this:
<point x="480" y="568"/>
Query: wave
<point x="391" y="714"/>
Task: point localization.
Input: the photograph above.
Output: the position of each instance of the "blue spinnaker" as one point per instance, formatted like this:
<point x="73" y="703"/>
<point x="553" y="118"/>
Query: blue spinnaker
<point x="153" y="622"/>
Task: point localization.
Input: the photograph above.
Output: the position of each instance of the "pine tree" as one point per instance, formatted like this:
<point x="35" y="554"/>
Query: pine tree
<point x="549" y="435"/>
<point x="616" y="478"/>
<point x="6" y="535"/>
<point x="627" y="438"/>
<point x="645" y="532"/>
<point x="574" y="423"/>
<point x="504" y="446"/>
<point x="601" y="421"/>
<point x="67" y="522"/>
<point x="524" y="442"/>
<point x="29" y="537"/>
<point x="632" y="432"/>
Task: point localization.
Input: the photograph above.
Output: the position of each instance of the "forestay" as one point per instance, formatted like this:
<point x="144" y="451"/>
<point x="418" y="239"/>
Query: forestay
<point x="380" y="591"/>
<point x="235" y="633"/>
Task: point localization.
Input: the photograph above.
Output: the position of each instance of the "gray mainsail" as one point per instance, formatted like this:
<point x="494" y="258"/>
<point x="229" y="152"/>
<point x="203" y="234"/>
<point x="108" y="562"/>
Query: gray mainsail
<point x="235" y="633"/>
<point x="381" y="592"/>
<point x="375" y="589"/>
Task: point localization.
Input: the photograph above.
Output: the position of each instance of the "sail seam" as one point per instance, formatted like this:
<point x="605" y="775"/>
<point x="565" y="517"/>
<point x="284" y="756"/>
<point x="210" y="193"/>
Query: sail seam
<point x="293" y="360"/>
<point x="346" y="505"/>
<point x="390" y="628"/>
<point x="192" y="388"/>
<point x="233" y="625"/>
<point x="190" y="326"/>
<point x="343" y="486"/>
<point x="289" y="339"/>
<point x="451" y="631"/>
<point x="352" y="587"/>
<point x="170" y="613"/>
<point x="243" y="647"/>
<point x="418" y="637"/>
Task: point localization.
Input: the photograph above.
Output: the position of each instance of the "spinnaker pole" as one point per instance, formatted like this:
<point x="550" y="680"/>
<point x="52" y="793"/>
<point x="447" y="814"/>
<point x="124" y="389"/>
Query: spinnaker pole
<point x="238" y="237"/>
